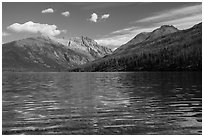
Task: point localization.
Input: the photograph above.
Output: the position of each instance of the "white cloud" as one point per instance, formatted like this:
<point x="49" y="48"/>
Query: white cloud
<point x="120" y="37"/>
<point x="113" y="42"/>
<point x="125" y="30"/>
<point x="182" y="18"/>
<point x="66" y="13"/>
<point x="5" y="34"/>
<point x="49" y="10"/>
<point x="94" y="17"/>
<point x="184" y="23"/>
<point x="105" y="16"/>
<point x="173" y="14"/>
<point x="35" y="28"/>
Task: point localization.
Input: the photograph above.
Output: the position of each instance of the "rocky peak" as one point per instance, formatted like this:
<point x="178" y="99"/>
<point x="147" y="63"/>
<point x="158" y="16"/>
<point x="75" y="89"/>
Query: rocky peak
<point x="166" y="26"/>
<point x="146" y="36"/>
<point x="163" y="30"/>
<point x="86" y="38"/>
<point x="50" y="53"/>
<point x="82" y="39"/>
<point x="42" y="38"/>
<point x="199" y="25"/>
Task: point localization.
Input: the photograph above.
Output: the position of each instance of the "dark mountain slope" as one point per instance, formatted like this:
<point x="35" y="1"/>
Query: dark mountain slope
<point x="147" y="36"/>
<point x="181" y="50"/>
<point x="49" y="54"/>
<point x="137" y="39"/>
<point x="162" y="31"/>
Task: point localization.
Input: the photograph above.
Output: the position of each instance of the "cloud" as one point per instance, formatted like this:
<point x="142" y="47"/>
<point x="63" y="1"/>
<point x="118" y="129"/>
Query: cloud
<point x="124" y="31"/>
<point x="66" y="13"/>
<point x="184" y="23"/>
<point x="35" y="28"/>
<point x="94" y="17"/>
<point x="49" y="10"/>
<point x="173" y="14"/>
<point x="112" y="42"/>
<point x="105" y="16"/>
<point x="5" y="34"/>
<point x="120" y="37"/>
<point x="182" y="18"/>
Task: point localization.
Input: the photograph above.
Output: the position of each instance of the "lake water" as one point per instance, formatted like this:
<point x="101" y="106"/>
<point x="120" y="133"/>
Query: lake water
<point x="102" y="103"/>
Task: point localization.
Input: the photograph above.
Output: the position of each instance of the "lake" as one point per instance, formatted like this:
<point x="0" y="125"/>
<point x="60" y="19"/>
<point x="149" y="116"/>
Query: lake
<point x="102" y="103"/>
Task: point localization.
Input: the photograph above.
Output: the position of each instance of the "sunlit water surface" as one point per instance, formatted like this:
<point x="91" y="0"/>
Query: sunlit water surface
<point x="102" y="103"/>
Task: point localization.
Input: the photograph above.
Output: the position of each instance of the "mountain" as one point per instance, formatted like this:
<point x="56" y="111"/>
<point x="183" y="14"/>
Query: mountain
<point x="162" y="31"/>
<point x="164" y="49"/>
<point x="146" y="36"/>
<point x="86" y="45"/>
<point x="46" y="53"/>
<point x="137" y="39"/>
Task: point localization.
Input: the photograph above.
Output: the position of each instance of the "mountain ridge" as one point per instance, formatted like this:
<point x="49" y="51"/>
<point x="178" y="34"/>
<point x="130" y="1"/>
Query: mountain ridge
<point x="146" y="36"/>
<point x="46" y="53"/>
<point x="177" y="51"/>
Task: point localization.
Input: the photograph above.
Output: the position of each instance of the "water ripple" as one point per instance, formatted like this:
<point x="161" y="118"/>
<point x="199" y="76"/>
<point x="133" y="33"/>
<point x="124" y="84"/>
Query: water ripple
<point x="102" y="103"/>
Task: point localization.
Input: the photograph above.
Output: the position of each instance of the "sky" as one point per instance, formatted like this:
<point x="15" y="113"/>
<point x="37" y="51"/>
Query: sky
<point x="111" y="24"/>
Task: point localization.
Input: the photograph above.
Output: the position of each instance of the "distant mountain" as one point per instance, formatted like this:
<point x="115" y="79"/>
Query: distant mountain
<point x="45" y="53"/>
<point x="146" y="36"/>
<point x="86" y="45"/>
<point x="164" y="49"/>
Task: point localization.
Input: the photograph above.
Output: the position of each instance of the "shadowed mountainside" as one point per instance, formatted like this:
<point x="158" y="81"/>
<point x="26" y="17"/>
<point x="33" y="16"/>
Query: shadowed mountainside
<point x="164" y="49"/>
<point x="146" y="36"/>
<point x="45" y="53"/>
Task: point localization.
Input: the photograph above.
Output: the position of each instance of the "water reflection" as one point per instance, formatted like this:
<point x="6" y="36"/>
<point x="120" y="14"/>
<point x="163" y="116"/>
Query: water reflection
<point x="102" y="103"/>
